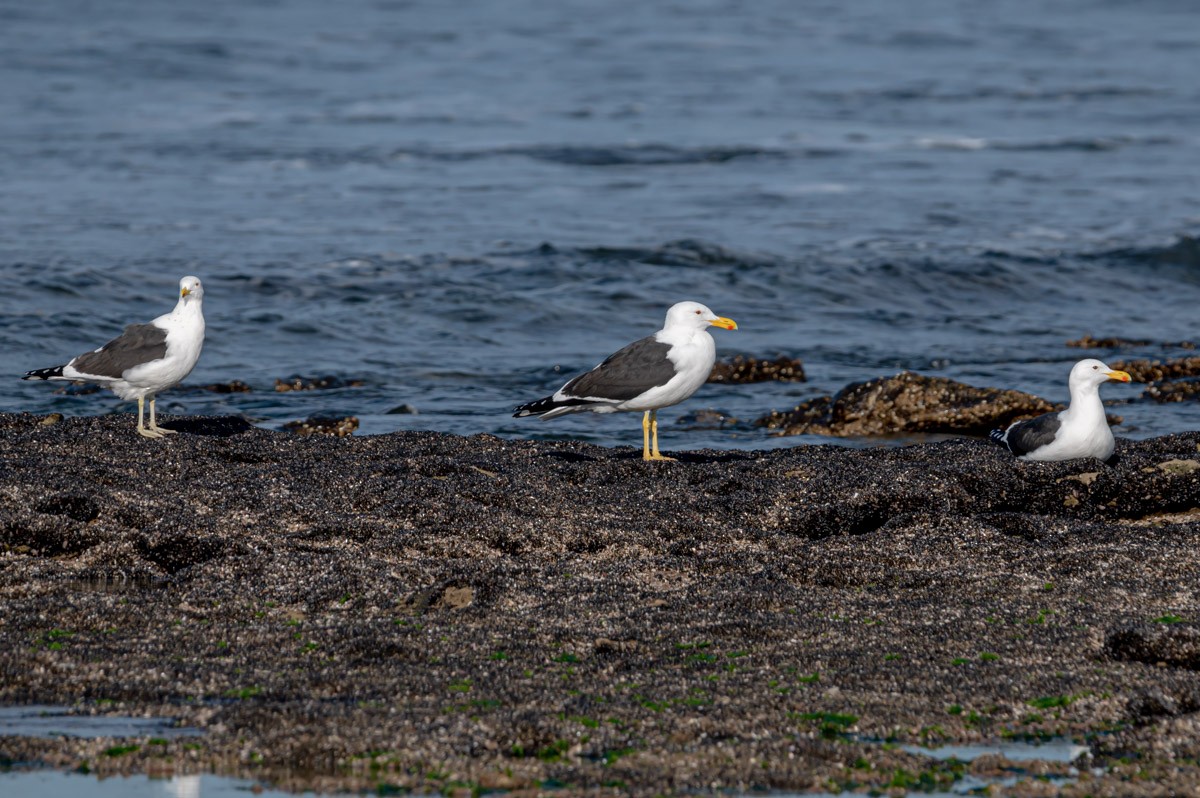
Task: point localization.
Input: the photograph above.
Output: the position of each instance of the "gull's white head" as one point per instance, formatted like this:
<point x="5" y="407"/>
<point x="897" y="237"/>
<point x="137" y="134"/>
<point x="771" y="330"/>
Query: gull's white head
<point x="190" y="290"/>
<point x="1093" y="373"/>
<point x="697" y="316"/>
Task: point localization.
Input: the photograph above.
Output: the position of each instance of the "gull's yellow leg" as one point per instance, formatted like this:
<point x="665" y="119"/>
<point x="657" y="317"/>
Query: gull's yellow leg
<point x="655" y="454"/>
<point x="154" y="424"/>
<point x="141" y="428"/>
<point x="646" y="436"/>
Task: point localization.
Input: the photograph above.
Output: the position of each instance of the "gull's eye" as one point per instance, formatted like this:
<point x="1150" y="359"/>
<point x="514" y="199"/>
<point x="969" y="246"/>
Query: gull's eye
<point x="1095" y="368"/>
<point x="697" y="313"/>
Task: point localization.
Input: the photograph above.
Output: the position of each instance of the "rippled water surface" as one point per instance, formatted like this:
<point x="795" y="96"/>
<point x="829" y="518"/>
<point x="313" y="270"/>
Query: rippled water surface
<point x="462" y="204"/>
<point x="52" y="784"/>
<point x="59" y="721"/>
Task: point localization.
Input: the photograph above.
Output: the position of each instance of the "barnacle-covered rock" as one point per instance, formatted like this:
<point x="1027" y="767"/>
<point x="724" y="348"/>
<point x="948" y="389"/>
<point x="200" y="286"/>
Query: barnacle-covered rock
<point x="907" y="403"/>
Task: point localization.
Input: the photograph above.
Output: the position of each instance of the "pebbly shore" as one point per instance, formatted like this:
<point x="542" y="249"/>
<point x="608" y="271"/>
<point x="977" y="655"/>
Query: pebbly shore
<point x="429" y="612"/>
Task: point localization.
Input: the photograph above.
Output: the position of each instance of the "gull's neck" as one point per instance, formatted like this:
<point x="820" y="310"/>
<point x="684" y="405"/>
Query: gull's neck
<point x="185" y="308"/>
<point x="682" y="333"/>
<point x="185" y="312"/>
<point x="1085" y="402"/>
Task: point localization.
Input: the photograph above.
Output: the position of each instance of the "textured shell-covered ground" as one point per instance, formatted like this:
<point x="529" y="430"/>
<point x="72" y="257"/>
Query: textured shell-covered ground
<point x="437" y="613"/>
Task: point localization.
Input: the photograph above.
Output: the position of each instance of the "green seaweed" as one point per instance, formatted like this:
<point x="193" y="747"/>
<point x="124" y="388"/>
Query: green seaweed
<point x="121" y="750"/>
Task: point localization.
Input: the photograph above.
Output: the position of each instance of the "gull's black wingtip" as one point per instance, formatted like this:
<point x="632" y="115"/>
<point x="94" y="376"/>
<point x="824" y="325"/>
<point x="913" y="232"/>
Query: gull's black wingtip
<point x="44" y="374"/>
<point x="536" y="408"/>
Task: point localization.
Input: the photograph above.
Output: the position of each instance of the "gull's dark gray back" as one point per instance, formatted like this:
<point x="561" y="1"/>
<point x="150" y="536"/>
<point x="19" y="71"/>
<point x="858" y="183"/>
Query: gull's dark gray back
<point x="628" y="373"/>
<point x="1035" y="433"/>
<point x="140" y="343"/>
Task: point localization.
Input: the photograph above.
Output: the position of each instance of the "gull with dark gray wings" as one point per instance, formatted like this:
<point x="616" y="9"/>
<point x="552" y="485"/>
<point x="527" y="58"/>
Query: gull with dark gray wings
<point x="1079" y="431"/>
<point x="144" y="360"/>
<point x="655" y="372"/>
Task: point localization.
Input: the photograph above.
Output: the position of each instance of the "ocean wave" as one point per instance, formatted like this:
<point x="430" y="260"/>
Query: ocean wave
<point x="640" y="154"/>
<point x="599" y="155"/>
<point x="619" y="154"/>
<point x="1082" y="143"/>
<point x="1070" y="143"/>
<point x="1184" y="251"/>
<point x="685" y="252"/>
<point x="935" y="92"/>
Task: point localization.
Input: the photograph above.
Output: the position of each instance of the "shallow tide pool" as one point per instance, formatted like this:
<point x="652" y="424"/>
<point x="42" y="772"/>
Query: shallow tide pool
<point x="53" y="784"/>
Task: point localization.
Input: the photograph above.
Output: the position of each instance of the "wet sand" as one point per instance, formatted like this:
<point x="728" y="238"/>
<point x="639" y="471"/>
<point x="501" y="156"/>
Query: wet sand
<point x="435" y="612"/>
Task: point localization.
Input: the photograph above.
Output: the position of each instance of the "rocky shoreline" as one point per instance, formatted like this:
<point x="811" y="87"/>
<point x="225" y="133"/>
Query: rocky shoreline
<point x="433" y="613"/>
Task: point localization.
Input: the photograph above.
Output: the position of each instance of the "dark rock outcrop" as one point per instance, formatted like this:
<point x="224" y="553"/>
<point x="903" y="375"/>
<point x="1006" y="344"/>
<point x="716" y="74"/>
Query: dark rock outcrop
<point x="1174" y="380"/>
<point x="1176" y="644"/>
<point x="422" y="612"/>
<point x="1086" y="341"/>
<point x="746" y="369"/>
<point x="1186" y="390"/>
<point x="907" y="403"/>
<point x="320" y="425"/>
<point x="1157" y="370"/>
<point x="233" y="386"/>
<point x="298" y="383"/>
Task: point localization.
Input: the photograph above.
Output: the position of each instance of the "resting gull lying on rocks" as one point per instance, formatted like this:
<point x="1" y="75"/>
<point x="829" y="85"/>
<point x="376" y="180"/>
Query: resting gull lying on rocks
<point x="1079" y="431"/>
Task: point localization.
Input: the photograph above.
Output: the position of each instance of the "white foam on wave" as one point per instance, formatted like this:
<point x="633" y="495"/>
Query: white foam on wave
<point x="951" y="143"/>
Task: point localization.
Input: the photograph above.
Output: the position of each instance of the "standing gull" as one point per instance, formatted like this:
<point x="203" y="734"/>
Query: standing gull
<point x="1079" y="431"/>
<point x="146" y="359"/>
<point x="658" y="371"/>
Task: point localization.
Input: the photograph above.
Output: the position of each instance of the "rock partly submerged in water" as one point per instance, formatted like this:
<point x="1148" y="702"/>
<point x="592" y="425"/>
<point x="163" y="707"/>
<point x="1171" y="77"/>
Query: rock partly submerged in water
<point x="742" y="369"/>
<point x="706" y="419"/>
<point x="233" y="386"/>
<point x="1186" y="390"/>
<point x="1158" y="370"/>
<point x="420" y="611"/>
<point x="1173" y="380"/>
<point x="1086" y="341"/>
<point x="323" y="425"/>
<point x="907" y="403"/>
<point x="298" y="383"/>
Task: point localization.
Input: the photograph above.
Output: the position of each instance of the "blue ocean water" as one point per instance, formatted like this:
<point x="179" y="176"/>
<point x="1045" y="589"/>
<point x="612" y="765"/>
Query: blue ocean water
<point x="463" y="204"/>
